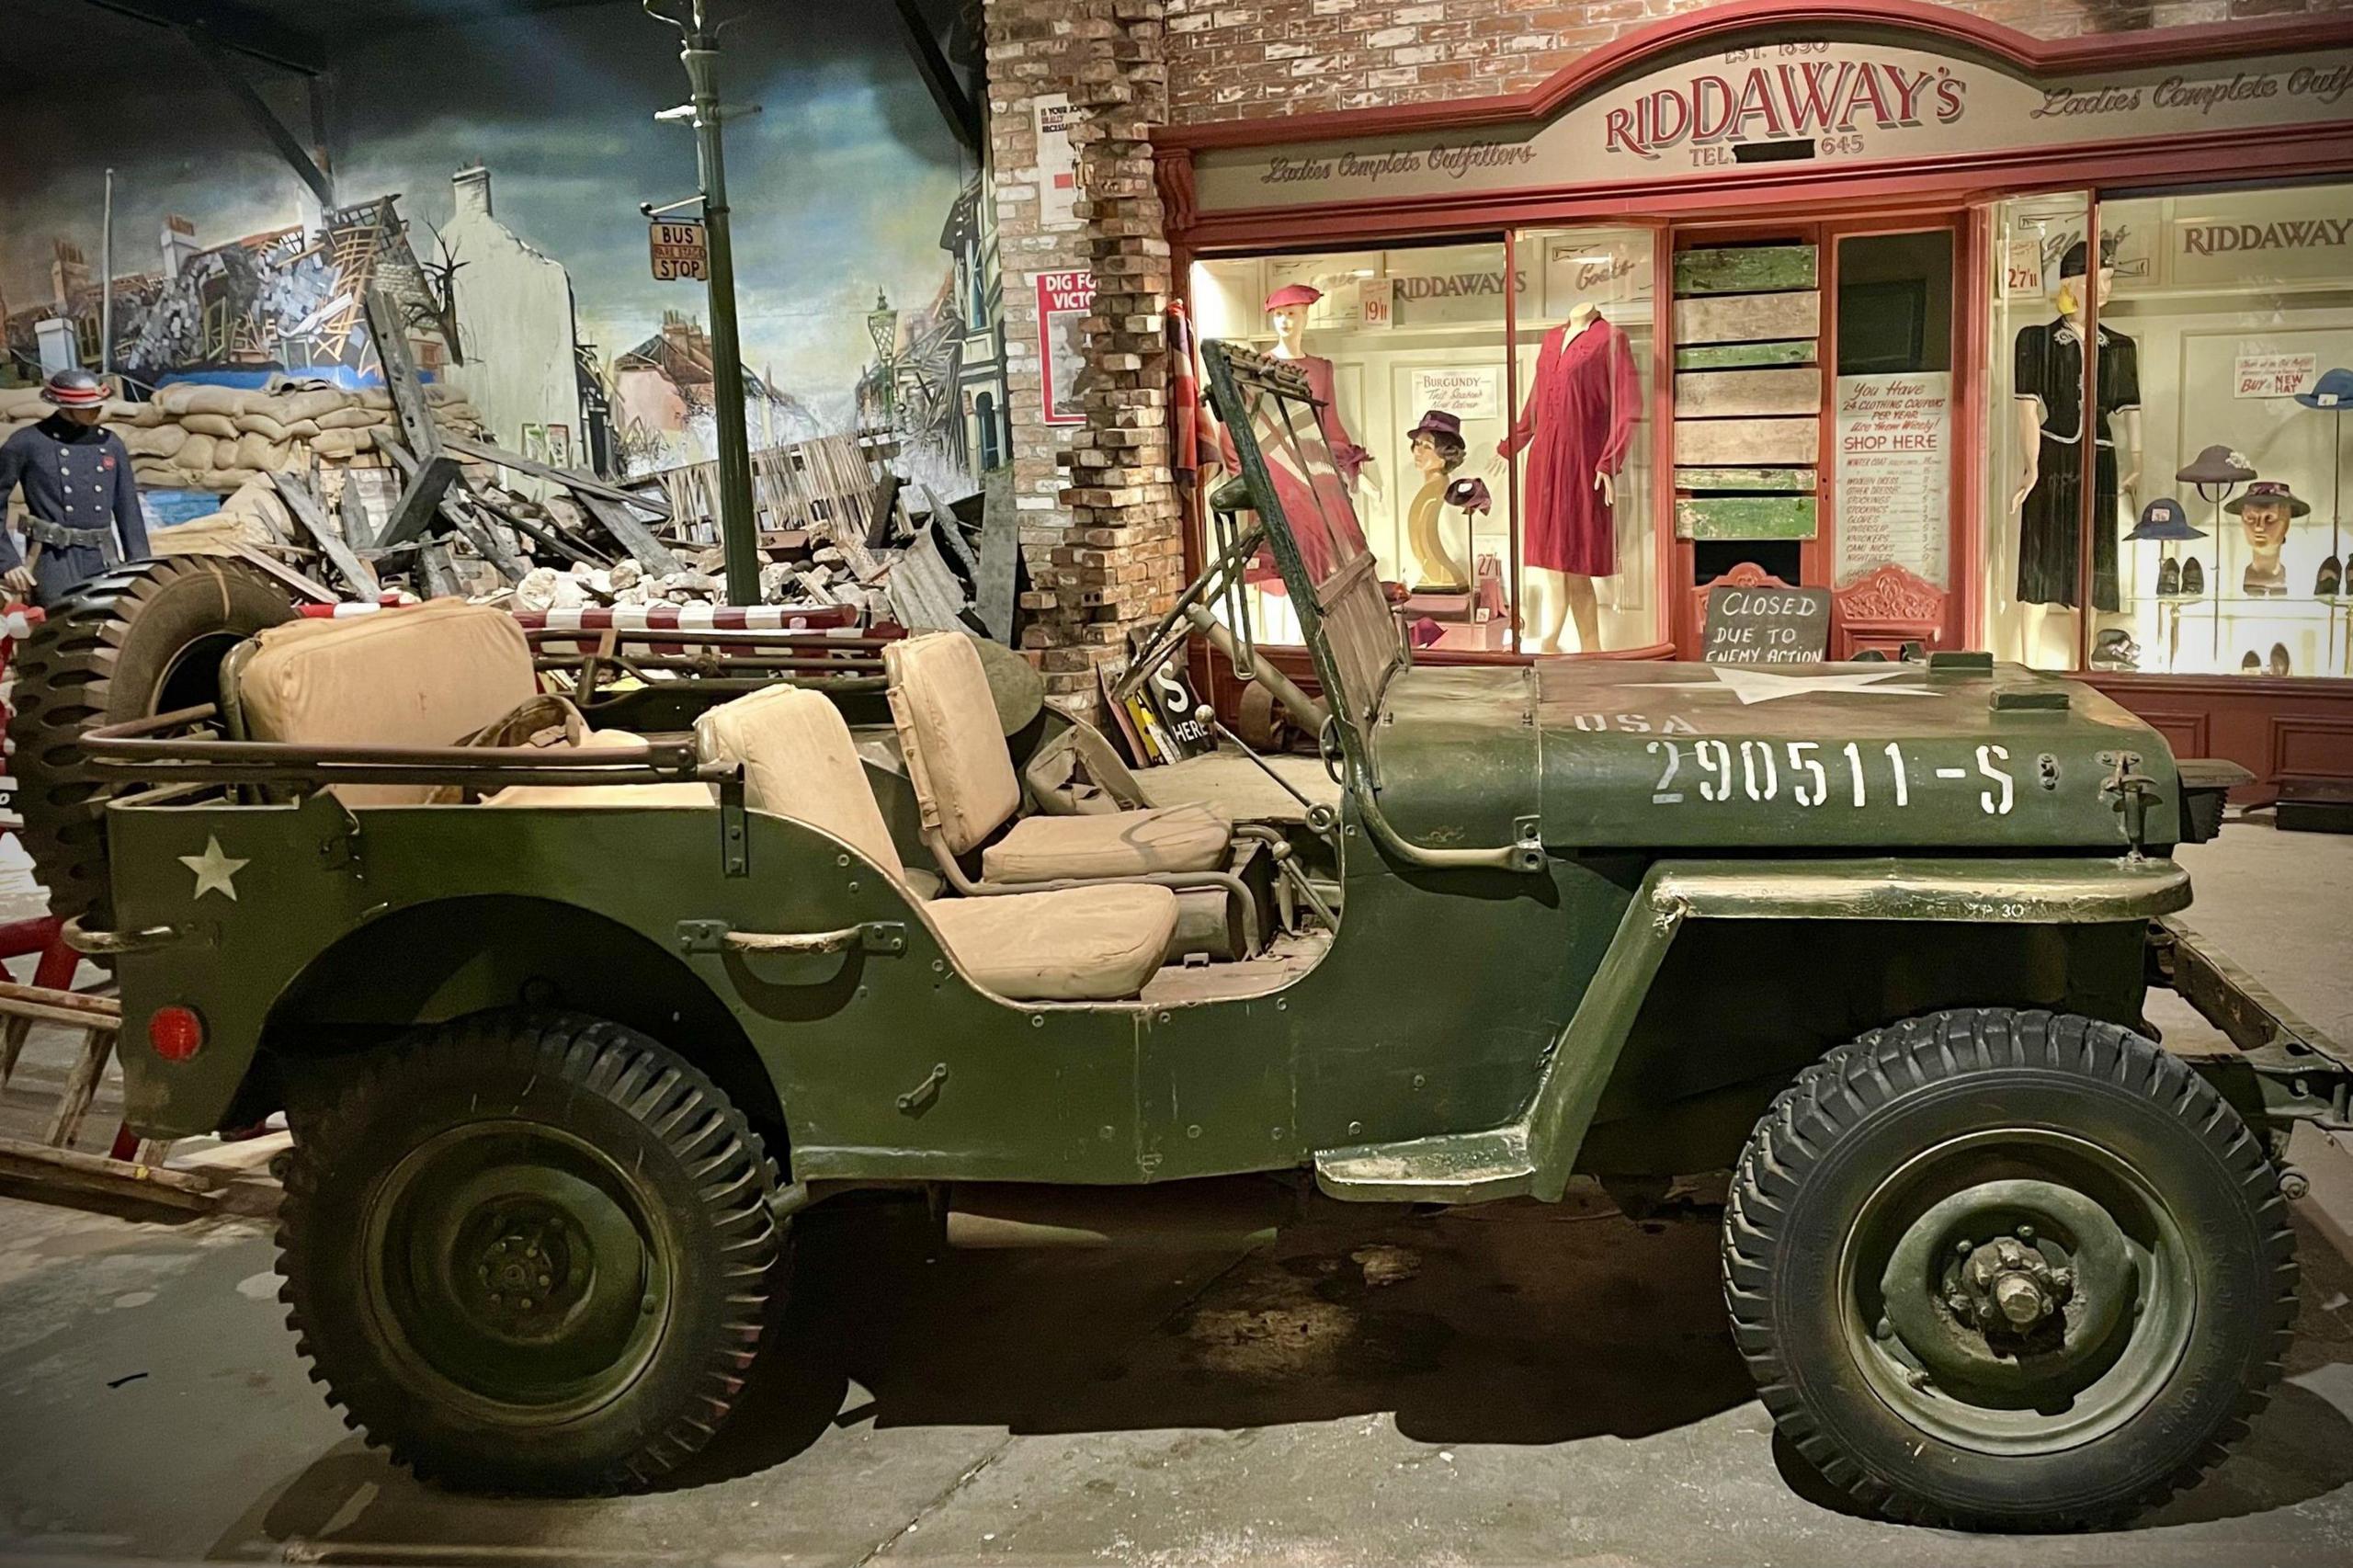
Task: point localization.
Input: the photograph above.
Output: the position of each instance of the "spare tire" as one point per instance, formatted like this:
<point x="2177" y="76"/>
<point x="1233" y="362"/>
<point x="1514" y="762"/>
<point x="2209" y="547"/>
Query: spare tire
<point x="144" y="639"/>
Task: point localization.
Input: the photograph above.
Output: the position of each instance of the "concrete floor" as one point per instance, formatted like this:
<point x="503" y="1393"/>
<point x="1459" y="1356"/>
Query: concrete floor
<point x="1516" y="1385"/>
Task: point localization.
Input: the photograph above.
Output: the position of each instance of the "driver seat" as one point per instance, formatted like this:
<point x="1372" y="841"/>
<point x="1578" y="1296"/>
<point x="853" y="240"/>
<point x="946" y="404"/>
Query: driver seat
<point x="963" y="777"/>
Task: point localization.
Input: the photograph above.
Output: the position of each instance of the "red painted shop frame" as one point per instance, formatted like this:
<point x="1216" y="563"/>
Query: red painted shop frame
<point x="1946" y="190"/>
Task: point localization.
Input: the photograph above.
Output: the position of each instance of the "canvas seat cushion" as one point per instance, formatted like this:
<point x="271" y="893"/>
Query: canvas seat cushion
<point x="430" y="675"/>
<point x="799" y="762"/>
<point x="1191" y="838"/>
<point x="956" y="755"/>
<point x="1089" y="944"/>
<point x="684" y="794"/>
<point x="1074" y="945"/>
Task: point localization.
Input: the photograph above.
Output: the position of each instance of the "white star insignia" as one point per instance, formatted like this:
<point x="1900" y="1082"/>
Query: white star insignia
<point x="215" y="872"/>
<point x="1752" y="686"/>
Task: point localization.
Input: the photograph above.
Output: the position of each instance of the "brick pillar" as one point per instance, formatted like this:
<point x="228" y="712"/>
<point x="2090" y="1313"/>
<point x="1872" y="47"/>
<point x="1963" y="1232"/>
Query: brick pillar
<point x="1104" y="548"/>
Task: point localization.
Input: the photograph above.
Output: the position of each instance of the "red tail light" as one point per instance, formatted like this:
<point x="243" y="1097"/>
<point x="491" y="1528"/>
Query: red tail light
<point x="175" y="1033"/>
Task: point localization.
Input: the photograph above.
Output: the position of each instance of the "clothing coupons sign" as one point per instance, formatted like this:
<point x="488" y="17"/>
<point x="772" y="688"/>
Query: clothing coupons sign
<point x="1894" y="469"/>
<point x="1057" y="164"/>
<point x="1767" y="626"/>
<point x="1467" y="394"/>
<point x="1063" y="300"/>
<point x="681" y="250"/>
<point x="2273" y="375"/>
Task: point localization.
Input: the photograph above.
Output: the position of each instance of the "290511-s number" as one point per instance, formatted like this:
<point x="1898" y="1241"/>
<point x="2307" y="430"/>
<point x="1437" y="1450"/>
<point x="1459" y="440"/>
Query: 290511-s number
<point x="1813" y="772"/>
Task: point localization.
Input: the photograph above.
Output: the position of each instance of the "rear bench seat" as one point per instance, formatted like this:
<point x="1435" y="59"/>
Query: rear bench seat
<point x="429" y="675"/>
<point x="1078" y="945"/>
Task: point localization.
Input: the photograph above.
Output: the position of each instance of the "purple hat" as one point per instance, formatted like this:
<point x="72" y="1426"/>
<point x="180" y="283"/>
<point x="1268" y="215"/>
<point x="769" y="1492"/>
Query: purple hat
<point x="1470" y="494"/>
<point x="1437" y="422"/>
<point x="2269" y="490"/>
<point x="1292" y="294"/>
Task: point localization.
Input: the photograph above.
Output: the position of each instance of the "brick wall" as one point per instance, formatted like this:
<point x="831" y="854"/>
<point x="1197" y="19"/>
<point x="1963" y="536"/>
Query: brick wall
<point x="1099" y="514"/>
<point x="1248" y="59"/>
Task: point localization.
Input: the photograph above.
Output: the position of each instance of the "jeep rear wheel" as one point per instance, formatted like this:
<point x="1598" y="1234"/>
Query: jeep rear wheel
<point x="2008" y="1269"/>
<point x="529" y="1255"/>
<point x="142" y="638"/>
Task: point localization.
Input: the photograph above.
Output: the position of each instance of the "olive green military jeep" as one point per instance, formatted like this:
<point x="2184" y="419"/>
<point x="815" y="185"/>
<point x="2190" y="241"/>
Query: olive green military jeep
<point x="576" y="990"/>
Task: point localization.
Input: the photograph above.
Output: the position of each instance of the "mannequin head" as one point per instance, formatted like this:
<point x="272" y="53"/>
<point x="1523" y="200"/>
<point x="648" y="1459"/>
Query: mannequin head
<point x="1286" y="309"/>
<point x="2072" y="267"/>
<point x="2264" y="513"/>
<point x="1437" y="444"/>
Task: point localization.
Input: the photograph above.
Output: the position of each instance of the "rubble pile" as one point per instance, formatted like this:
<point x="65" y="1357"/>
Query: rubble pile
<point x="197" y="436"/>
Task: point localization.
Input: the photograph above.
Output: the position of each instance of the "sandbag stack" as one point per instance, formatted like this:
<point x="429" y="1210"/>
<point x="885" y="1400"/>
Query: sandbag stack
<point x="197" y="436"/>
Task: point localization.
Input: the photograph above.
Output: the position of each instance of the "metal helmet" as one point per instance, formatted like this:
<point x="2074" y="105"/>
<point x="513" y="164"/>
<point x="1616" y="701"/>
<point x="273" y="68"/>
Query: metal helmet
<point x="74" y="388"/>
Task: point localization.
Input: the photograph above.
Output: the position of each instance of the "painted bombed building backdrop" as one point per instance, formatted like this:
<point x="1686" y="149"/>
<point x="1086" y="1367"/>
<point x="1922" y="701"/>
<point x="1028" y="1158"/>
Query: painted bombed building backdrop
<point x="487" y="178"/>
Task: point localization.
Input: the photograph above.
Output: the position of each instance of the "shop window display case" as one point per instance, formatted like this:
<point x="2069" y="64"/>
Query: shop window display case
<point x="2216" y="512"/>
<point x="1467" y="381"/>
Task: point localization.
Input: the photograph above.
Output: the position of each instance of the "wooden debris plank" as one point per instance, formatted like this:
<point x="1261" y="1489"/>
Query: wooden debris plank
<point x="553" y="537"/>
<point x="41" y="1166"/>
<point x="631" y="534"/>
<point x="304" y="504"/>
<point x="412" y="515"/>
<point x="1700" y="480"/>
<point x="1748" y="318"/>
<point x="1744" y="518"/>
<point x="1739" y="355"/>
<point x="434" y="574"/>
<point x="384" y="324"/>
<point x="484" y="537"/>
<point x="994" y="589"/>
<point x="303" y="587"/>
<point x="1747" y="443"/>
<point x="572" y="479"/>
<point x="1745" y="270"/>
<point x="1739" y="394"/>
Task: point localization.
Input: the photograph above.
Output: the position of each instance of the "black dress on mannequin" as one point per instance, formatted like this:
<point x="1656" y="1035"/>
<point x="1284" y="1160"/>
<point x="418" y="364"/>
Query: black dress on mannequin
<point x="2051" y="366"/>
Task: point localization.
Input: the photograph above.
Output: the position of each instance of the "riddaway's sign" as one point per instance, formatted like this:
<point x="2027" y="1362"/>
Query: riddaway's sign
<point x="1823" y="101"/>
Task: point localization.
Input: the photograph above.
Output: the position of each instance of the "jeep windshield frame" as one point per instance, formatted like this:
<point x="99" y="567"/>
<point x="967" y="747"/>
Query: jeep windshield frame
<point x="1274" y="423"/>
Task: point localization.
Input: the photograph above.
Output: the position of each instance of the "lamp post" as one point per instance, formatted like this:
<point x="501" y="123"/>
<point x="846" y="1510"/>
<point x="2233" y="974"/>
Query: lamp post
<point x="882" y="326"/>
<point x="698" y="49"/>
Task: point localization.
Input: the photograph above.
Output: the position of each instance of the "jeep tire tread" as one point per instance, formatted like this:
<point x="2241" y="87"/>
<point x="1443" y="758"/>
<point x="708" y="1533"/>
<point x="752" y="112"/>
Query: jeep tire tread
<point x="675" y="1155"/>
<point x="1834" y="1141"/>
<point x="136" y="640"/>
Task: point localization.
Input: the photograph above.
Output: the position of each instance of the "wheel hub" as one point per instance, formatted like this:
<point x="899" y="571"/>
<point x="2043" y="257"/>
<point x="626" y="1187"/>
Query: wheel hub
<point x="2007" y="1286"/>
<point x="531" y="1273"/>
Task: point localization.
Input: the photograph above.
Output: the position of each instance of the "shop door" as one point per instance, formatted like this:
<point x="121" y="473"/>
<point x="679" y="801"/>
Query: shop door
<point x="1814" y="427"/>
<point x="1888" y="474"/>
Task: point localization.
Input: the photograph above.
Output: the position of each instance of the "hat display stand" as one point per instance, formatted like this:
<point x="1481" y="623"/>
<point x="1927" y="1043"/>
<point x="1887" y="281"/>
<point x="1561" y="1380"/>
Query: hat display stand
<point x="2164" y="524"/>
<point x="2332" y="394"/>
<point x="2216" y="471"/>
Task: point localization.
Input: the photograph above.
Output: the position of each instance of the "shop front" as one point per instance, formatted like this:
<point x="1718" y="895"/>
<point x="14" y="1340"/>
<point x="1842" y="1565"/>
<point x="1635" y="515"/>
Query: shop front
<point x="2037" y="347"/>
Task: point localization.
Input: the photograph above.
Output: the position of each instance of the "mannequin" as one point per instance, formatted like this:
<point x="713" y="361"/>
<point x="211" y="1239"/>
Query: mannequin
<point x="2048" y="384"/>
<point x="1578" y="419"/>
<point x="1437" y="450"/>
<point x="1286" y="310"/>
<point x="2265" y="513"/>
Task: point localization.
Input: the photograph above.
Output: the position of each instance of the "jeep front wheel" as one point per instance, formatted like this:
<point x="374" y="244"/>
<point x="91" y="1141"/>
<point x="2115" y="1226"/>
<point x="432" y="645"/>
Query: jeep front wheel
<point x="2007" y="1269"/>
<point x="529" y="1254"/>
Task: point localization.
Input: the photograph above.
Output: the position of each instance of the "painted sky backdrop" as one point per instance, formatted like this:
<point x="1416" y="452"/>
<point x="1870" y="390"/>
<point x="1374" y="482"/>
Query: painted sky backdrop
<point x="839" y="186"/>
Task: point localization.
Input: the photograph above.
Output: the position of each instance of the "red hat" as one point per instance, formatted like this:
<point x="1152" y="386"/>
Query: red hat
<point x="74" y="388"/>
<point x="1292" y="294"/>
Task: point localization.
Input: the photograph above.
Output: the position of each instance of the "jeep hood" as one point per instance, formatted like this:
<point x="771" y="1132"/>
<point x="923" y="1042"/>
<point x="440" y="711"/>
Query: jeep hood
<point x="1621" y="754"/>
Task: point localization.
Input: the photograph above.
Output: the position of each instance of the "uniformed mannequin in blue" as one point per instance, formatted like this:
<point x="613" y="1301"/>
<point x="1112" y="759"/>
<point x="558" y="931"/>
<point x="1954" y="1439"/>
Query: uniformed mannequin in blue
<point x="76" y="475"/>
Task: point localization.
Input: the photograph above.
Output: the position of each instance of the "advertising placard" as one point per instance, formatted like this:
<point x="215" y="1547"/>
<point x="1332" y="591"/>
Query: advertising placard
<point x="1063" y="300"/>
<point x="1468" y="395"/>
<point x="2272" y="375"/>
<point x="1894" y="454"/>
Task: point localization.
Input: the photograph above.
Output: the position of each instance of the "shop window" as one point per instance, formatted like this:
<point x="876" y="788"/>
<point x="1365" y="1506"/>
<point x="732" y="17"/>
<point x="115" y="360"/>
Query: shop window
<point x="1408" y="348"/>
<point x="2212" y="485"/>
<point x="2241" y="320"/>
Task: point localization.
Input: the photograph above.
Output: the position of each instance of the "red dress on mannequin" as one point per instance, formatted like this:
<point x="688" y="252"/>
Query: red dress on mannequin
<point x="1579" y="417"/>
<point x="1311" y="500"/>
